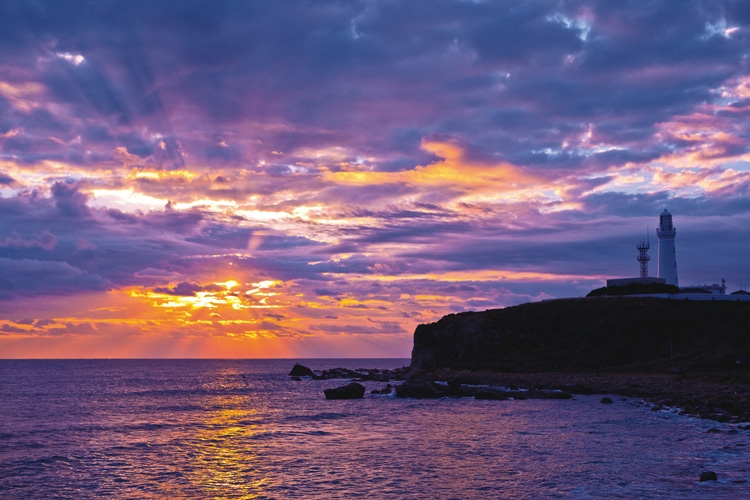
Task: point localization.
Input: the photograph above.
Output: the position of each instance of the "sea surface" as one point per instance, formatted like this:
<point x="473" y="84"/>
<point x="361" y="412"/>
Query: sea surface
<point x="242" y="429"/>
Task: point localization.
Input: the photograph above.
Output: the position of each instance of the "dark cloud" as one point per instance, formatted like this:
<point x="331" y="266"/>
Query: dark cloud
<point x="374" y="327"/>
<point x="45" y="240"/>
<point x="12" y="329"/>
<point x="187" y="289"/>
<point x="262" y="101"/>
<point x="69" y="200"/>
<point x="26" y="277"/>
<point x="350" y="72"/>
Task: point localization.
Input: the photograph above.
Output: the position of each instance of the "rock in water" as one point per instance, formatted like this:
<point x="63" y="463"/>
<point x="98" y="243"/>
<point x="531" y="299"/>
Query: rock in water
<point x="387" y="390"/>
<point x="607" y="401"/>
<point x="418" y="389"/>
<point x="301" y="371"/>
<point x="348" y="391"/>
<point x="709" y="475"/>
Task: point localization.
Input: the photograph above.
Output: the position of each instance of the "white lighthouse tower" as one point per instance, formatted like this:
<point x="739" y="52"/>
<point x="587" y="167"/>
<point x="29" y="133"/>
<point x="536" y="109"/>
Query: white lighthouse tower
<point x="667" y="257"/>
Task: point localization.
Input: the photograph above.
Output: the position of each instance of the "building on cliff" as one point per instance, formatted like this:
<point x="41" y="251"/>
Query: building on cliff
<point x="666" y="233"/>
<point x="665" y="286"/>
<point x="643" y="259"/>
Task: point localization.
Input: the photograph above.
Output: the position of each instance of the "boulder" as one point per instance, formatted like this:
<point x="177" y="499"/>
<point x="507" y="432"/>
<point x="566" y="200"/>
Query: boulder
<point x="386" y="390"/>
<point x="301" y="371"/>
<point x="709" y="475"/>
<point x="418" y="389"/>
<point x="348" y="391"/>
<point x="607" y="401"/>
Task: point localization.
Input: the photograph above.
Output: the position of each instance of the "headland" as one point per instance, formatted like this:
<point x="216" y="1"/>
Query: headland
<point x="691" y="354"/>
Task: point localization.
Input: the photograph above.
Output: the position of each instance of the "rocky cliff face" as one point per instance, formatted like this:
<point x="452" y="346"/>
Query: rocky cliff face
<point x="594" y="334"/>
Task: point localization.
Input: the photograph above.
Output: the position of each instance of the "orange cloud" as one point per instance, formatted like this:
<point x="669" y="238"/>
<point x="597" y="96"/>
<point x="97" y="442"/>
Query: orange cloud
<point x="454" y="171"/>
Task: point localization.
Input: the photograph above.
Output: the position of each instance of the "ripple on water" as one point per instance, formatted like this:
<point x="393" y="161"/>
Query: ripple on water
<point x="242" y="429"/>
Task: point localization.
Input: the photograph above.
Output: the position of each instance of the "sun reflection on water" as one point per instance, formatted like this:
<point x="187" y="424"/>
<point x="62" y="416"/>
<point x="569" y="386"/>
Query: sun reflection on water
<point x="221" y="457"/>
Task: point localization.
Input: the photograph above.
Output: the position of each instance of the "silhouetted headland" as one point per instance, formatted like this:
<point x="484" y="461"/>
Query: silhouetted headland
<point x="692" y="354"/>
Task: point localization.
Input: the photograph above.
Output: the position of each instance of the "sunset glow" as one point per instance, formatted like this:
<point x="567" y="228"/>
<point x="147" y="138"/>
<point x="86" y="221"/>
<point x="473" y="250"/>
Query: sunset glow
<point x="273" y="179"/>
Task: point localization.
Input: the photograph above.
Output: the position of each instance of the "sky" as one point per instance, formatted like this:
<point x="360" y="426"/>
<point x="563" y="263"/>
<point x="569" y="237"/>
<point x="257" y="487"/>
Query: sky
<point x="316" y="178"/>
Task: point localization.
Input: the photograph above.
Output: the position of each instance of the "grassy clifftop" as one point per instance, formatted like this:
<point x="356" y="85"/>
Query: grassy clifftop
<point x="618" y="334"/>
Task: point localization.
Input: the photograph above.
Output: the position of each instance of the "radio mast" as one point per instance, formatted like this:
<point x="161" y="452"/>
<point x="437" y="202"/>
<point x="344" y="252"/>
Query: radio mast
<point x="643" y="257"/>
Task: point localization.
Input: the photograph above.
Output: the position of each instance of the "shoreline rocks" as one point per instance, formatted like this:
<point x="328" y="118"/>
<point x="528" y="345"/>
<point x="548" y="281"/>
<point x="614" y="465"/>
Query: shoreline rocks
<point x="360" y="374"/>
<point x="386" y="390"/>
<point x="708" y="476"/>
<point x="424" y="389"/>
<point x="348" y="391"/>
<point x="418" y="389"/>
<point x="718" y="396"/>
<point x="299" y="370"/>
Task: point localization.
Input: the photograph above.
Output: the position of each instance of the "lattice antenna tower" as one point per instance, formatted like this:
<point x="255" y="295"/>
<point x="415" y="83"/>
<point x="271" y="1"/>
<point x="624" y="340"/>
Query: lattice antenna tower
<point x="643" y="257"/>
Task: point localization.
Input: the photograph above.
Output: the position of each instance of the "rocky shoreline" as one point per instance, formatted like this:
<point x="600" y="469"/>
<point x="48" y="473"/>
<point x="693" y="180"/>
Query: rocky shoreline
<point x="360" y="374"/>
<point x="719" y="397"/>
<point x="691" y="355"/>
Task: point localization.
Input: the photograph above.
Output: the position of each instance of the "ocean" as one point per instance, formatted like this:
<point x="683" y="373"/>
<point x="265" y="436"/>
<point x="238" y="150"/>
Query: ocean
<point x="242" y="429"/>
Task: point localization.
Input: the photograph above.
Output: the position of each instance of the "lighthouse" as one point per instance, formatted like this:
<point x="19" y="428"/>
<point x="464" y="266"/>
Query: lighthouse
<point x="667" y="257"/>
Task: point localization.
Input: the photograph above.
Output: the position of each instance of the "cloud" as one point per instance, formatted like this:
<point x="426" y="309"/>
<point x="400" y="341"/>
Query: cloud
<point x="69" y="200"/>
<point x="12" y="329"/>
<point x="384" y="160"/>
<point x="374" y="327"/>
<point x="187" y="289"/>
<point x="157" y="274"/>
<point x="24" y="277"/>
<point x="45" y="240"/>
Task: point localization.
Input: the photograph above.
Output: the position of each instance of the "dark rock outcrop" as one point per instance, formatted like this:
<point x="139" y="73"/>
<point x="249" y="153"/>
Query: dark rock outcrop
<point x="371" y="374"/>
<point x="361" y="374"/>
<point x="422" y="389"/>
<point x="348" y="391"/>
<point x="708" y="476"/>
<point x="620" y="334"/>
<point x="299" y="370"/>
<point x="386" y="390"/>
<point x="419" y="389"/>
<point x="607" y="401"/>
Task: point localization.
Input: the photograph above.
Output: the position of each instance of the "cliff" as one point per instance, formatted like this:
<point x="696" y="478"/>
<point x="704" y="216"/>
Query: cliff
<point x="619" y="334"/>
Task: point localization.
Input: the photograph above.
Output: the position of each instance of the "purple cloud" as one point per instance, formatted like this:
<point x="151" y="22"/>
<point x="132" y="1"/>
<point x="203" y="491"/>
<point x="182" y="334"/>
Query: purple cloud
<point x="392" y="159"/>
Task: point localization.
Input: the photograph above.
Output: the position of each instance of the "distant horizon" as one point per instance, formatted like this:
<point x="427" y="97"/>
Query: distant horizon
<point x="271" y="179"/>
<point x="189" y="359"/>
